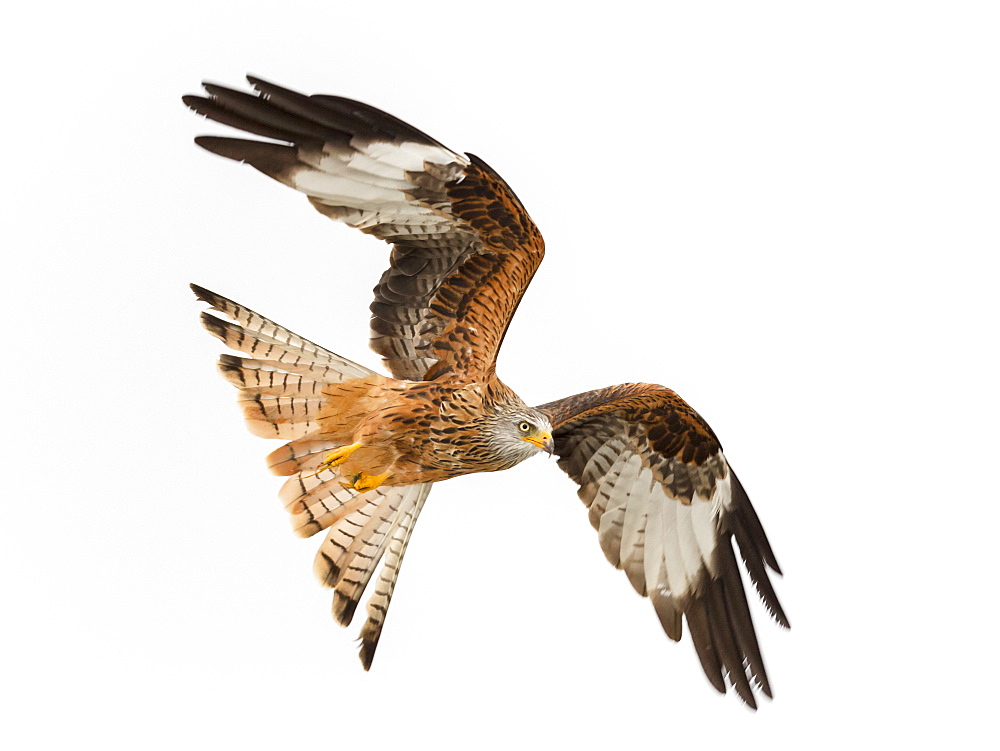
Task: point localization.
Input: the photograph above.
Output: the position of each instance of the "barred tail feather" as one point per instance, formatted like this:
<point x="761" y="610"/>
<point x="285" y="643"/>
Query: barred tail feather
<point x="315" y="501"/>
<point x="245" y="372"/>
<point x="278" y="347"/>
<point x="279" y="416"/>
<point x="352" y="524"/>
<point x="356" y="558"/>
<point x="281" y="392"/>
<point x="282" y="387"/>
<point x="378" y="605"/>
<point x="270" y="377"/>
<point x="301" y="455"/>
<point x="367" y="528"/>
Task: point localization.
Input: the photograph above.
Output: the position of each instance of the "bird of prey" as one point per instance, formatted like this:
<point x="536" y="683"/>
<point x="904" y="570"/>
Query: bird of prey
<point x="363" y="449"/>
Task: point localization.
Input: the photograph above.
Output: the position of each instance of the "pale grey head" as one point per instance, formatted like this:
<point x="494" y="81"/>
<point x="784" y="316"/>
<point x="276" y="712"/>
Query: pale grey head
<point x="518" y="432"/>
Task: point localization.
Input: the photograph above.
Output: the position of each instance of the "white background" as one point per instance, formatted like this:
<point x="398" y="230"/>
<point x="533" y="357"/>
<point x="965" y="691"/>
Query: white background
<point x="785" y="211"/>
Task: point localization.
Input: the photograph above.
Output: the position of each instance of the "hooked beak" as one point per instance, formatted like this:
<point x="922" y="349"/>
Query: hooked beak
<point x="544" y="441"/>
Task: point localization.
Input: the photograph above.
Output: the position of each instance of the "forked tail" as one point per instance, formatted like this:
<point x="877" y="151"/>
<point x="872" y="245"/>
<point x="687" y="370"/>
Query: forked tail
<point x="281" y="395"/>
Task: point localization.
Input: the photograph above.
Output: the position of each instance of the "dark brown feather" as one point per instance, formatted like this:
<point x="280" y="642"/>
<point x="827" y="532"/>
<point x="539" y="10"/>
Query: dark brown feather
<point x="676" y="433"/>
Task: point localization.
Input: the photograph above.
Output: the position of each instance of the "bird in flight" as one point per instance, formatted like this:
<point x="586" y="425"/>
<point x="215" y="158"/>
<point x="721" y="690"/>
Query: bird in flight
<point x="362" y="449"/>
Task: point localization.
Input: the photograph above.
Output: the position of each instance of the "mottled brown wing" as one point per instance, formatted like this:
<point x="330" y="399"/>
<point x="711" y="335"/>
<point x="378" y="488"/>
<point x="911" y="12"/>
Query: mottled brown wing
<point x="464" y="248"/>
<point x="666" y="506"/>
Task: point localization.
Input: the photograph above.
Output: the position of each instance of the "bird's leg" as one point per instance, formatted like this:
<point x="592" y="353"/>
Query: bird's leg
<point x="337" y="457"/>
<point x="363" y="481"/>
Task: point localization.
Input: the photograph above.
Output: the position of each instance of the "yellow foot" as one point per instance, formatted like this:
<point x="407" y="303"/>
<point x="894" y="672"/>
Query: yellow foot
<point x="364" y="481"/>
<point x="339" y="456"/>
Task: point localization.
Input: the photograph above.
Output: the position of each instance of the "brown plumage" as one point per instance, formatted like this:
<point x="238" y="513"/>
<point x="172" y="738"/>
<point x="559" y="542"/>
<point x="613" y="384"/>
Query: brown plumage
<point x="362" y="449"/>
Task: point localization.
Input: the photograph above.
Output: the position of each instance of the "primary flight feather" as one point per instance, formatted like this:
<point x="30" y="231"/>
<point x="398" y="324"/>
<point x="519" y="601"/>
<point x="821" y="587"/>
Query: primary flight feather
<point x="363" y="449"/>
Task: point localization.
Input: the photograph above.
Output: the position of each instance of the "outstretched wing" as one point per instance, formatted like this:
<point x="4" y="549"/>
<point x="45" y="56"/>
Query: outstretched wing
<point x="464" y="248"/>
<point x="666" y="505"/>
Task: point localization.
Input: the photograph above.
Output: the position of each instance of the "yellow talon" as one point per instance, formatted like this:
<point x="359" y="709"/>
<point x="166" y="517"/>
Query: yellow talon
<point x="364" y="481"/>
<point x="339" y="456"/>
<point x="335" y="458"/>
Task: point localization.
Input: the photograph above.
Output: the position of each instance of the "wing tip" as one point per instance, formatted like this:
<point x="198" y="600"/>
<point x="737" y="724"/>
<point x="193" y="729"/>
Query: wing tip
<point x="222" y="146"/>
<point x="194" y="102"/>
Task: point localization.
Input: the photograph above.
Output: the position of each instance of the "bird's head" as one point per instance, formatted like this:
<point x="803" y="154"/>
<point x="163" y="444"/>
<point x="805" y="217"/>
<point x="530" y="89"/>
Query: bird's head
<point x="536" y="430"/>
<point x="520" y="432"/>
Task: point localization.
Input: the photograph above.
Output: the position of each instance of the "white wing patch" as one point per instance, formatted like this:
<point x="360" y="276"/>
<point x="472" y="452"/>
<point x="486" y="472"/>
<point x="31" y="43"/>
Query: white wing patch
<point x="661" y="543"/>
<point x="607" y="510"/>
<point x="405" y="155"/>
<point x="371" y="176"/>
<point x="636" y="502"/>
<point x="342" y="191"/>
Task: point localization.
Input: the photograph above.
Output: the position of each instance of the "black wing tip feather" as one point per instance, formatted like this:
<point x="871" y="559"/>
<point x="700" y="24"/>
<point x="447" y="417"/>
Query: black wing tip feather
<point x="755" y="550"/>
<point x="723" y="634"/>
<point x="281" y="114"/>
<point x="273" y="159"/>
<point x="719" y="617"/>
<point x="374" y="123"/>
<point x="727" y="643"/>
<point x="699" y="626"/>
<point x="754" y="527"/>
<point x="719" y="650"/>
<point x="194" y="101"/>
<point x="274" y="116"/>
<point x="738" y="612"/>
<point x="210" y="143"/>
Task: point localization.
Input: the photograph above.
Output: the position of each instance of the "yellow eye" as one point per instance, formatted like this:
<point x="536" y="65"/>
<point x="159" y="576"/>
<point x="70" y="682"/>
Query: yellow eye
<point x="524" y="427"/>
